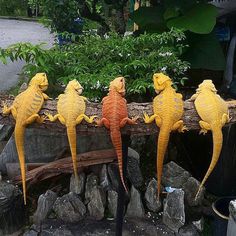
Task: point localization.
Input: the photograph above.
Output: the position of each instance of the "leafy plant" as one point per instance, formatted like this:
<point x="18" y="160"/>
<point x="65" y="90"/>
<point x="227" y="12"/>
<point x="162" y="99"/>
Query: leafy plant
<point x="197" y="18"/>
<point x="95" y="61"/>
<point x="13" y="7"/>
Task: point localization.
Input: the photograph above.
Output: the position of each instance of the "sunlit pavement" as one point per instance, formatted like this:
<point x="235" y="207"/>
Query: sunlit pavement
<point x="15" y="31"/>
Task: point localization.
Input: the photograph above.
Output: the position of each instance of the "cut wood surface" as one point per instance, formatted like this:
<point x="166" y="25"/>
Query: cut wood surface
<point x="64" y="165"/>
<point x="190" y="117"/>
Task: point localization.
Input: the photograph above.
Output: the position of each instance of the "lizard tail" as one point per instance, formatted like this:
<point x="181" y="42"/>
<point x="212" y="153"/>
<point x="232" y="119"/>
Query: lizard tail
<point x="117" y="143"/>
<point x="19" y="140"/>
<point x="162" y="143"/>
<point x="71" y="134"/>
<point x="217" y="145"/>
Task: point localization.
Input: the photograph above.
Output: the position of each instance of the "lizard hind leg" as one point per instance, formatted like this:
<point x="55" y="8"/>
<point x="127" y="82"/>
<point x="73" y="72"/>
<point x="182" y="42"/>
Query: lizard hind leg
<point x="150" y="119"/>
<point x="104" y="122"/>
<point x="204" y="127"/>
<point x="34" y="117"/>
<point x="86" y="118"/>
<point x="179" y="125"/>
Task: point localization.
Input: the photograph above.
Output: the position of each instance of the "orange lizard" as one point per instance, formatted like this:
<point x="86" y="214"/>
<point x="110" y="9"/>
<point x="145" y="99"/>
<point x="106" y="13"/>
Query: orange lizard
<point x="168" y="109"/>
<point x="115" y="116"/>
<point x="25" y="110"/>
<point x="214" y="114"/>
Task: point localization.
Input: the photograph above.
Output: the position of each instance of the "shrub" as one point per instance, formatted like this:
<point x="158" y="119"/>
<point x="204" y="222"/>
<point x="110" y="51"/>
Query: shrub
<point x="95" y="61"/>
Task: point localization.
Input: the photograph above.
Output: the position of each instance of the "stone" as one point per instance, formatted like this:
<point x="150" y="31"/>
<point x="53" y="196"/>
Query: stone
<point x="114" y="176"/>
<point x="188" y="230"/>
<point x="42" y="146"/>
<point x="190" y="189"/>
<point x="31" y="232"/>
<point x="174" y="176"/>
<point x="5" y="132"/>
<point x="151" y="197"/>
<point x="232" y="219"/>
<point x="134" y="173"/>
<point x="135" y="206"/>
<point x="69" y="208"/>
<point x="45" y="204"/>
<point x="12" y="215"/>
<point x="77" y="186"/>
<point x="199" y="224"/>
<point x="103" y="177"/>
<point x="112" y="202"/>
<point x="95" y="197"/>
<point x="173" y="212"/>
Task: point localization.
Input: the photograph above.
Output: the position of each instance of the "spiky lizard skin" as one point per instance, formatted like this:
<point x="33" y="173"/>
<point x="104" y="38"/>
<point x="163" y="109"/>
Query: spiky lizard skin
<point x="71" y="108"/>
<point x="168" y="110"/>
<point x="25" y="110"/>
<point x="115" y="116"/>
<point x="213" y="111"/>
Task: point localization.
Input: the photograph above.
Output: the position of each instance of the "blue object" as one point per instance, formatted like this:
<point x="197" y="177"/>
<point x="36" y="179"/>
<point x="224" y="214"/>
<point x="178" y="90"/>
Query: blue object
<point x="222" y="33"/>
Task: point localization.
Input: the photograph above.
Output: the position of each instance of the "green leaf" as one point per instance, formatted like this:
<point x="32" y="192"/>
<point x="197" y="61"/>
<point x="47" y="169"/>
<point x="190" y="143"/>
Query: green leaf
<point x="205" y="52"/>
<point x="149" y="18"/>
<point x="201" y="19"/>
<point x="171" y="12"/>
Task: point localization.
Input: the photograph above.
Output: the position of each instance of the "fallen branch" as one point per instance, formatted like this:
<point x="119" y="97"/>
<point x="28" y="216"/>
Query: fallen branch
<point x="64" y="165"/>
<point x="190" y="118"/>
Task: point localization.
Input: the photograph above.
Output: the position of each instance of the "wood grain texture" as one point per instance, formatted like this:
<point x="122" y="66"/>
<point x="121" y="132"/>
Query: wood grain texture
<point x="190" y="117"/>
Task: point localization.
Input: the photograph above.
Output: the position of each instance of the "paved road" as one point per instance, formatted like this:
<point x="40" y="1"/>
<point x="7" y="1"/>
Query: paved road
<point x="14" y="31"/>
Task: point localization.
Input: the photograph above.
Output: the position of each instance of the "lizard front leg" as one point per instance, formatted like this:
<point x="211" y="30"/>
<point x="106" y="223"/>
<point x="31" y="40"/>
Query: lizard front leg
<point x="104" y="122"/>
<point x="129" y="121"/>
<point x="205" y="127"/>
<point x="179" y="125"/>
<point x="6" y="111"/>
<point x="87" y="119"/>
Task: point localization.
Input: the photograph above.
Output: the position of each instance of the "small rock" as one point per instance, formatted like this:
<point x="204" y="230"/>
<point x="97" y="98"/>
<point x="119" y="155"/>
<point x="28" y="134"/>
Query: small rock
<point x="45" y="204"/>
<point x="151" y="197"/>
<point x="12" y="215"/>
<point x="134" y="173"/>
<point x="95" y="197"/>
<point x="174" y="175"/>
<point x="199" y="224"/>
<point x="188" y="230"/>
<point x="77" y="186"/>
<point x="104" y="179"/>
<point x="30" y="232"/>
<point x="135" y="206"/>
<point x="69" y="208"/>
<point x="173" y="213"/>
<point x="112" y="202"/>
<point x="232" y="209"/>
<point x="190" y="188"/>
<point x="232" y="219"/>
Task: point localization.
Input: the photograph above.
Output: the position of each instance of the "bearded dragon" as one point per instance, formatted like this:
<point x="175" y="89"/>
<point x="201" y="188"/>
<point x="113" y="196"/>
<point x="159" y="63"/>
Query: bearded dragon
<point x="25" y="110"/>
<point x="71" y="108"/>
<point x="168" y="110"/>
<point x="115" y="116"/>
<point x="214" y="113"/>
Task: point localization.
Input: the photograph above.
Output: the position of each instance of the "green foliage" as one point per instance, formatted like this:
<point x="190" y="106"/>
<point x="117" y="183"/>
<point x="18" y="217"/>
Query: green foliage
<point x="13" y="7"/>
<point x="61" y="14"/>
<point x="192" y="16"/>
<point x="95" y="61"/>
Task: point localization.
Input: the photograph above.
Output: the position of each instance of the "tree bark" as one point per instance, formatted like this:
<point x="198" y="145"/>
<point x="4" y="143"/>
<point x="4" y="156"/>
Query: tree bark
<point x="190" y="117"/>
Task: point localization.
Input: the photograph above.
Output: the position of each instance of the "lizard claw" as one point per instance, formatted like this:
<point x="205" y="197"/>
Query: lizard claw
<point x="146" y="117"/>
<point x="93" y="119"/>
<point x="183" y="129"/>
<point x="134" y="119"/>
<point x="4" y="109"/>
<point x="203" y="131"/>
<point x="49" y="116"/>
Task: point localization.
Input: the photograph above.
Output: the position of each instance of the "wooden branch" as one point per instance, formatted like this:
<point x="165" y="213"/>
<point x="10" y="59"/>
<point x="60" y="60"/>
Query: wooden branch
<point x="64" y="165"/>
<point x="190" y="117"/>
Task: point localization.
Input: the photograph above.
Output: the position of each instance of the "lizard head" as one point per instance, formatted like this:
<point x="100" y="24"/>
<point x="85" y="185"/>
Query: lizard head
<point x="40" y="80"/>
<point x="74" y="85"/>
<point x="207" y="85"/>
<point x="161" y="81"/>
<point x="119" y="85"/>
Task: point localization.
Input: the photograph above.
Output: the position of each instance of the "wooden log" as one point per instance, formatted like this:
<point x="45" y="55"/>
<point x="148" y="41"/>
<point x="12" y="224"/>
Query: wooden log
<point x="190" y="117"/>
<point x="64" y="165"/>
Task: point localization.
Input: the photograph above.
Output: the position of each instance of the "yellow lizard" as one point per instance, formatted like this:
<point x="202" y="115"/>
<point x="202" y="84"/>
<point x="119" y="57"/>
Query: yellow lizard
<point x="168" y="110"/>
<point x="71" y="108"/>
<point x="214" y="113"/>
<point x="25" y="110"/>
